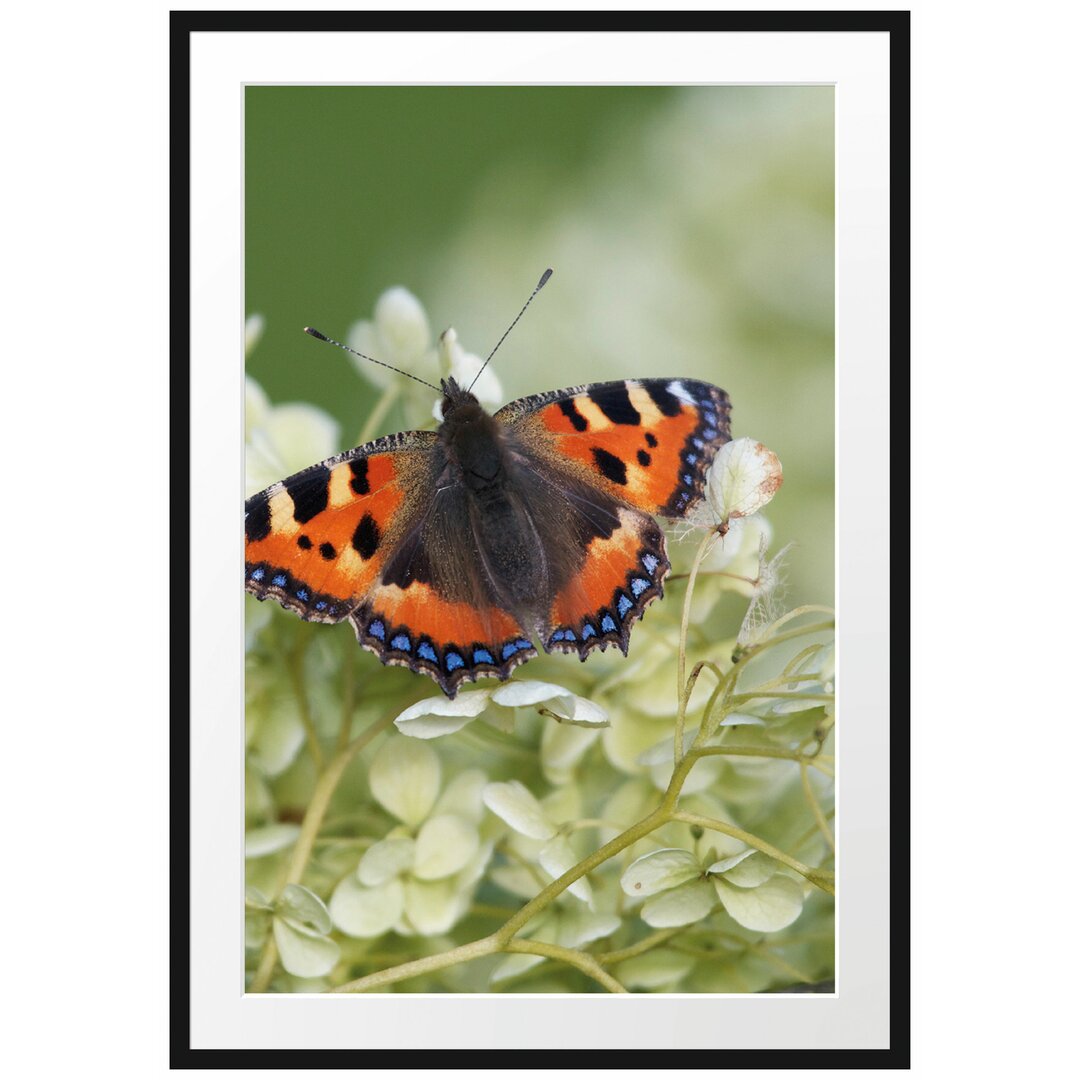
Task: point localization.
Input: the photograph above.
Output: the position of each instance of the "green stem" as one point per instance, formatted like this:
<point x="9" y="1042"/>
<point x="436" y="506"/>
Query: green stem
<point x="766" y="752"/>
<point x="295" y="667"/>
<point x="309" y="830"/>
<point x="378" y="414"/>
<point x="485" y="946"/>
<point x="543" y="898"/>
<point x="575" y="957"/>
<point x="685" y="689"/>
<point x="821" y="878"/>
<point x="639" y="947"/>
<point x="815" y="807"/>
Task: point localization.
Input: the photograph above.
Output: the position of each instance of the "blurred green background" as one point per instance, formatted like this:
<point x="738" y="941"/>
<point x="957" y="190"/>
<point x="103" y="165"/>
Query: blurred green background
<point x="690" y="230"/>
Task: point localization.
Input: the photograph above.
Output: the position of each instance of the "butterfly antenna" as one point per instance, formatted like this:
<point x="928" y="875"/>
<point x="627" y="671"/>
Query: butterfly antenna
<point x="539" y="285"/>
<point x="322" y="337"/>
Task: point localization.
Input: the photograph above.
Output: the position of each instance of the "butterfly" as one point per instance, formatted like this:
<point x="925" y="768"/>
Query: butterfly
<point x="449" y="551"/>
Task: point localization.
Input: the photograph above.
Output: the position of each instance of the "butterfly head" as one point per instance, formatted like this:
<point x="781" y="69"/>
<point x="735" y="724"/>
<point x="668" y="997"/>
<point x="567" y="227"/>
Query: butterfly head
<point x="456" y="397"/>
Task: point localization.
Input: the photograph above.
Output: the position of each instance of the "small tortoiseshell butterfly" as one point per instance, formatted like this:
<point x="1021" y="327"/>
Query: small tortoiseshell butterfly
<point x="449" y="550"/>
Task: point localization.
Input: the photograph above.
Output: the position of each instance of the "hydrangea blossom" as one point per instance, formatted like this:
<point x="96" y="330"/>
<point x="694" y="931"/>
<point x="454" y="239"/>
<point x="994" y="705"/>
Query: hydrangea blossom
<point x="680" y="887"/>
<point x="419" y="878"/>
<point x="439" y="715"/>
<point x="522" y="811"/>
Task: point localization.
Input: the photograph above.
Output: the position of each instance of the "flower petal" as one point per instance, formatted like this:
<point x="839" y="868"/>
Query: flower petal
<point x="556" y="857"/>
<point x="365" y="913"/>
<point x="270" y="838"/>
<point x="444" y="845"/>
<point x="464" y="796"/>
<point x="743" y="478"/>
<point x="771" y="906"/>
<point x="679" y="907"/>
<point x="748" y="869"/>
<point x="657" y="969"/>
<point x="304" y="952"/>
<point x="432" y="907"/>
<point x="562" y="746"/>
<point x="578" y="926"/>
<point x="435" y="716"/>
<point x="385" y="860"/>
<point x="300" y="905"/>
<point x="519" y="692"/>
<point x="518" y="807"/>
<point x="404" y="778"/>
<point x="659" y="870"/>
<point x="402" y="324"/>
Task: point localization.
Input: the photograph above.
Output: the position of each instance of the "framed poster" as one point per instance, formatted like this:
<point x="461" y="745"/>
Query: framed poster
<point x="398" y="801"/>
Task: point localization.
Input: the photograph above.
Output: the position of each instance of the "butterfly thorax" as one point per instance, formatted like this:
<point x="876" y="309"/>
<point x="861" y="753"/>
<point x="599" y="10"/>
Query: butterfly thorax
<point x="482" y="482"/>
<point x="473" y="439"/>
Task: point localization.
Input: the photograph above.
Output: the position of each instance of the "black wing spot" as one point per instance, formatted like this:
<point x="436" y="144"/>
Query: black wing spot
<point x="359" y="482"/>
<point x="644" y="459"/>
<point x="651" y="439"/>
<point x="327" y="551"/>
<point x="257" y="518"/>
<point x="303" y="541"/>
<point x="665" y="401"/>
<point x="366" y="538"/>
<point x="614" y="402"/>
<point x="310" y="493"/>
<point x="569" y="410"/>
<point x="612" y="467"/>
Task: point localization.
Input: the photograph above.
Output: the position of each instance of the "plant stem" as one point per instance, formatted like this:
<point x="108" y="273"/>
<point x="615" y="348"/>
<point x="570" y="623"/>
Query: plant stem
<point x="378" y="414"/>
<point x="313" y="818"/>
<point x="639" y="947"/>
<point x="575" y="957"/>
<point x="685" y="689"/>
<point x="821" y="878"/>
<point x="295" y="665"/>
<point x="766" y="752"/>
<point x="815" y="807"/>
<point x="481" y="947"/>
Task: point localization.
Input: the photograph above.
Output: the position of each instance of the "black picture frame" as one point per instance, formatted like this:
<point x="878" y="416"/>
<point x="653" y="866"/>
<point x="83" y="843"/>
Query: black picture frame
<point x="185" y="23"/>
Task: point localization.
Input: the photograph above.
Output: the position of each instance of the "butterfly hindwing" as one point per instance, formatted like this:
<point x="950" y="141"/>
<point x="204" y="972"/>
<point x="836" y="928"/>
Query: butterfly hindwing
<point x="647" y="442"/>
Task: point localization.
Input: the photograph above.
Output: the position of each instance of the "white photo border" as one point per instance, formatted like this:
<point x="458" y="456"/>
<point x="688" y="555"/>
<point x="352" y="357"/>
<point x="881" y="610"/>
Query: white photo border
<point x="221" y="1015"/>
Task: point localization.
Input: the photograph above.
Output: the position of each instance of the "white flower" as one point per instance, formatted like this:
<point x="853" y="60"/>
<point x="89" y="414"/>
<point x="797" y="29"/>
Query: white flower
<point x="301" y="931"/>
<point x="399" y="335"/>
<point x="521" y="810"/>
<point x="679" y="888"/>
<point x="465" y="366"/>
<point x="418" y="879"/>
<point x="742" y="479"/>
<point x="439" y="715"/>
<point x="283" y="439"/>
